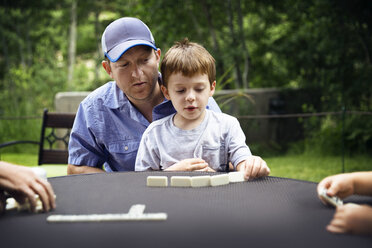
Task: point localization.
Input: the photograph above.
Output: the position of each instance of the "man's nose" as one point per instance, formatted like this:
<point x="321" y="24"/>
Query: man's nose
<point x="137" y="72"/>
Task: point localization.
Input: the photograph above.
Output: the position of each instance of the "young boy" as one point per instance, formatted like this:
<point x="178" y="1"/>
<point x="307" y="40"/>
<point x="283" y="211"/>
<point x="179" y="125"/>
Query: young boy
<point x="194" y="138"/>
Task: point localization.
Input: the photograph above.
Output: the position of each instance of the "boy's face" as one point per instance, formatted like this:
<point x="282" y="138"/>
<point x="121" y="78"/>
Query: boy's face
<point x="189" y="96"/>
<point x="136" y="72"/>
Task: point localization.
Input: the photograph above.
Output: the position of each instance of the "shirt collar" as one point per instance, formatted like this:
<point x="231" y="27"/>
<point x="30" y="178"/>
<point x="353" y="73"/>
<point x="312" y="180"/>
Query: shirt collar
<point x="115" y="97"/>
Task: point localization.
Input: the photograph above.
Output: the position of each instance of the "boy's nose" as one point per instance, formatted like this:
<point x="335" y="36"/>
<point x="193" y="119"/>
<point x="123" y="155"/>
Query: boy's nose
<point x="190" y="97"/>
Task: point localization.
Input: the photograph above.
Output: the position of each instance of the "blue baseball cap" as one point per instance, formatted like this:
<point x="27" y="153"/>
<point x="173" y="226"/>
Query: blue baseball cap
<point x="123" y="34"/>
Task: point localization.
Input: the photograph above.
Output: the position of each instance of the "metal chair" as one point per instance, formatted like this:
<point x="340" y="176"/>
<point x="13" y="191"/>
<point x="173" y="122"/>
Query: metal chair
<point x="54" y="137"/>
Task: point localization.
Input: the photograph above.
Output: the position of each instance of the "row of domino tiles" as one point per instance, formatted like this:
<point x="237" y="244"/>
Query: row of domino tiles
<point x="196" y="181"/>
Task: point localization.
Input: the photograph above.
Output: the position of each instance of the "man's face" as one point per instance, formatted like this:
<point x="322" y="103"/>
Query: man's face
<point x="136" y="72"/>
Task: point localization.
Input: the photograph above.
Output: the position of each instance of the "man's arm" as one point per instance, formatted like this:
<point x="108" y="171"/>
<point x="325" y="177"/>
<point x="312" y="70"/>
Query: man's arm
<point x="82" y="169"/>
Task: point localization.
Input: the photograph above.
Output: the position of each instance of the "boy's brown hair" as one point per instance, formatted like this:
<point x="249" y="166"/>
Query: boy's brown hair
<point x="188" y="58"/>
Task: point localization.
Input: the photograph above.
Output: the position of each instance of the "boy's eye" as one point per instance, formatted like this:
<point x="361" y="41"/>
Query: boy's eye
<point x="199" y="89"/>
<point x="180" y="91"/>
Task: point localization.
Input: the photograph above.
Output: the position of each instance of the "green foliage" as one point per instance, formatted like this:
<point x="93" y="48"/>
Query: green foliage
<point x="330" y="136"/>
<point x="323" y="45"/>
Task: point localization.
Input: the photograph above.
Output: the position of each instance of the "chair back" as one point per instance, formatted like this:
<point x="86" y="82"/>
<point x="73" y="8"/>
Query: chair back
<point x="55" y="134"/>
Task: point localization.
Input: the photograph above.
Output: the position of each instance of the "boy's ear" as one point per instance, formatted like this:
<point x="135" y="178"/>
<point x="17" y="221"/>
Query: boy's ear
<point x="213" y="88"/>
<point x="106" y="66"/>
<point x="165" y="92"/>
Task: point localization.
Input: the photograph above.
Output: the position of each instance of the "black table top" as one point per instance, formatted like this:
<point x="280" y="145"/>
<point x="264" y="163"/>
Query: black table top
<point x="266" y="212"/>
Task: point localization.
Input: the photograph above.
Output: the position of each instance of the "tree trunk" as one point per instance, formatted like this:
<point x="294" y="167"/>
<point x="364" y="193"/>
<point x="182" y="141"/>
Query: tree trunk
<point x="72" y="45"/>
<point x="212" y="30"/>
<point x="99" y="49"/>
<point x="234" y="47"/>
<point x="245" y="51"/>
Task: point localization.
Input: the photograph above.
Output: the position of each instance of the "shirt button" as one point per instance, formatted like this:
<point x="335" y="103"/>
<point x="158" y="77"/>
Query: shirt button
<point x="126" y="148"/>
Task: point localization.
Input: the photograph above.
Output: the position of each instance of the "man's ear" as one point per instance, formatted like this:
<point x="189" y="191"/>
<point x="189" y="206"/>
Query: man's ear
<point x="158" y="54"/>
<point x="106" y="66"/>
<point x="213" y="88"/>
<point x="165" y="92"/>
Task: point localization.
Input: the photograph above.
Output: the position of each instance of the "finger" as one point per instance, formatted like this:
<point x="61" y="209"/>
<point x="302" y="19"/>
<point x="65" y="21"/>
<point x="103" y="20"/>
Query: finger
<point x="325" y="183"/>
<point x="196" y="160"/>
<point x="43" y="195"/>
<point x="198" y="166"/>
<point x="249" y="166"/>
<point x="30" y="198"/>
<point x="335" y="229"/>
<point x="50" y="192"/>
<point x="264" y="171"/>
<point x="256" y="167"/>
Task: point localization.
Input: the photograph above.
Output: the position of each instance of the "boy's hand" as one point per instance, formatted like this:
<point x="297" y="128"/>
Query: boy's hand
<point x="253" y="167"/>
<point x="338" y="185"/>
<point x="190" y="164"/>
<point x="352" y="218"/>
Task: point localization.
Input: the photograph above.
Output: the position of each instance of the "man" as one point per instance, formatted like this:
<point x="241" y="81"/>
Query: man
<point x="111" y="120"/>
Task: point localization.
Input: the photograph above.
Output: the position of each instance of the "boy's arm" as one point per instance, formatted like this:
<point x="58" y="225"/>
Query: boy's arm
<point x="240" y="154"/>
<point x="190" y="164"/>
<point x="148" y="157"/>
<point x="253" y="167"/>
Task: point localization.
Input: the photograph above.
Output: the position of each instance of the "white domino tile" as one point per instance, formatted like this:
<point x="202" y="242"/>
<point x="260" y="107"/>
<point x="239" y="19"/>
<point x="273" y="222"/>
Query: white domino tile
<point x="236" y="176"/>
<point x="221" y="179"/>
<point x="201" y="181"/>
<point x="181" y="181"/>
<point x="157" y="181"/>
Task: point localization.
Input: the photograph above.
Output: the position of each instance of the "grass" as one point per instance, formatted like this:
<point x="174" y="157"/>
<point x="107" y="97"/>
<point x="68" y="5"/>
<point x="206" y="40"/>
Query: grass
<point x="30" y="160"/>
<point x="315" y="168"/>
<point x="303" y="167"/>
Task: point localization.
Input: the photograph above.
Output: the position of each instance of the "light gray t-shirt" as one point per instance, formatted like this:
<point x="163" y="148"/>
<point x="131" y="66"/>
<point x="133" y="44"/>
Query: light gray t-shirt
<point x="218" y="140"/>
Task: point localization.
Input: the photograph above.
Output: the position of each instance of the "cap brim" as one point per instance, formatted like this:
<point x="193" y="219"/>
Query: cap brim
<point x="115" y="53"/>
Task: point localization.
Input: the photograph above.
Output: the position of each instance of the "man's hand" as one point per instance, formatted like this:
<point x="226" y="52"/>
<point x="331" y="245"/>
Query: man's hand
<point x="253" y="167"/>
<point x="82" y="169"/>
<point x="190" y="164"/>
<point x="352" y="218"/>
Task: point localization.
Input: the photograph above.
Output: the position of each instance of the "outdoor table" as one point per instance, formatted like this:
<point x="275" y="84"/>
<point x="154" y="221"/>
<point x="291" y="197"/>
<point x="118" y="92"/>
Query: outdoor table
<point x="265" y="212"/>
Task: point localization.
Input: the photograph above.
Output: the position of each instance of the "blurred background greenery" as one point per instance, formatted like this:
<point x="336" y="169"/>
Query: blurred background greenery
<point x="321" y="47"/>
